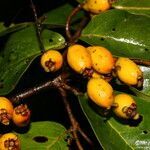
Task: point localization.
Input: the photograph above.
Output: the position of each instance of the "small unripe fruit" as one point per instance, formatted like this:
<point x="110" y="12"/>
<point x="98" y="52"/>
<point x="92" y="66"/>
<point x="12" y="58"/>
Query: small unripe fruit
<point x="100" y="92"/>
<point x="125" y="107"/>
<point x="79" y="59"/>
<point x="6" y="110"/>
<point x="51" y="60"/>
<point x="21" y="115"/>
<point x="96" y="6"/>
<point x="9" y="141"/>
<point x="128" y="72"/>
<point x="102" y="59"/>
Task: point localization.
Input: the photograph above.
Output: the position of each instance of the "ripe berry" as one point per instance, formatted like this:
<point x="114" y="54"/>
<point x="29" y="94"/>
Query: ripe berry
<point x="100" y="92"/>
<point x="6" y="110"/>
<point x="128" y="72"/>
<point x="21" y="115"/>
<point x="51" y="61"/>
<point x="9" y="141"/>
<point x="125" y="107"/>
<point x="102" y="59"/>
<point x="79" y="59"/>
<point x="96" y="6"/>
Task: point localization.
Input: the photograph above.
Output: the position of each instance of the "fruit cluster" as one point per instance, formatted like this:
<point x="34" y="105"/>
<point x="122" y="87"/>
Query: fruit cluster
<point x="97" y="63"/>
<point x="20" y="115"/>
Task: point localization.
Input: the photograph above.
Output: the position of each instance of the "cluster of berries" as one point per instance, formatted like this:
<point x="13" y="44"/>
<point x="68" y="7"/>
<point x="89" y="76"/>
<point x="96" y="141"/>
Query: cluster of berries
<point x="97" y="63"/>
<point x="99" y="66"/>
<point x="20" y="116"/>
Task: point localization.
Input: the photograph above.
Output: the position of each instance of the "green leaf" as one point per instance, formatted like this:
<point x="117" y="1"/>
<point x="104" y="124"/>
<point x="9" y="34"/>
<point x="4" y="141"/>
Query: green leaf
<point x="80" y="1"/>
<point x="20" y="50"/>
<point x="44" y="136"/>
<point x="133" y="6"/>
<point x="114" y="133"/>
<point x="58" y="16"/>
<point x="6" y="30"/>
<point x="124" y="34"/>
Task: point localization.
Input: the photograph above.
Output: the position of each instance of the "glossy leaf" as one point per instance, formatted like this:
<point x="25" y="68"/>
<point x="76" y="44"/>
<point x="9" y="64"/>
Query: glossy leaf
<point x="19" y="51"/>
<point x="114" y="133"/>
<point x="133" y="6"/>
<point x="58" y="16"/>
<point x="124" y="34"/>
<point x="44" y="136"/>
<point x="6" y="30"/>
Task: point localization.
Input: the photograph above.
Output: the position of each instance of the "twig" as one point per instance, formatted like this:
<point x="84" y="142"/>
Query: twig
<point x="141" y="62"/>
<point x="68" y="22"/>
<point x="59" y="83"/>
<point x="78" y="32"/>
<point x="85" y="136"/>
<point x="38" y="27"/>
<point x="71" y="117"/>
<point x="55" y="83"/>
<point x="75" y="124"/>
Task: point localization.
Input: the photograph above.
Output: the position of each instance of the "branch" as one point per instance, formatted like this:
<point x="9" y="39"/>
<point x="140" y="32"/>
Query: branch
<point x="38" y="27"/>
<point x="55" y="83"/>
<point x="58" y="83"/>
<point x="73" y="38"/>
<point x="71" y="117"/>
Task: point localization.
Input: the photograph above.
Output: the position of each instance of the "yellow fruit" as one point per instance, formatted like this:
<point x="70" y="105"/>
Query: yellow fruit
<point x="102" y="59"/>
<point x="6" y="110"/>
<point x="78" y="58"/>
<point x="100" y="92"/>
<point x="51" y="60"/>
<point x="128" y="72"/>
<point x="96" y="6"/>
<point x="125" y="107"/>
<point x="21" y="115"/>
<point x="9" y="141"/>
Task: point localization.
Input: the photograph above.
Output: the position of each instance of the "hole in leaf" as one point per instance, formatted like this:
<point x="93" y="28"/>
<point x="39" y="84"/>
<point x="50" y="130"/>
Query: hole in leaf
<point x="145" y="131"/>
<point x="50" y="40"/>
<point x="113" y="29"/>
<point x="1" y="83"/>
<point x="40" y="139"/>
<point x="102" y="39"/>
